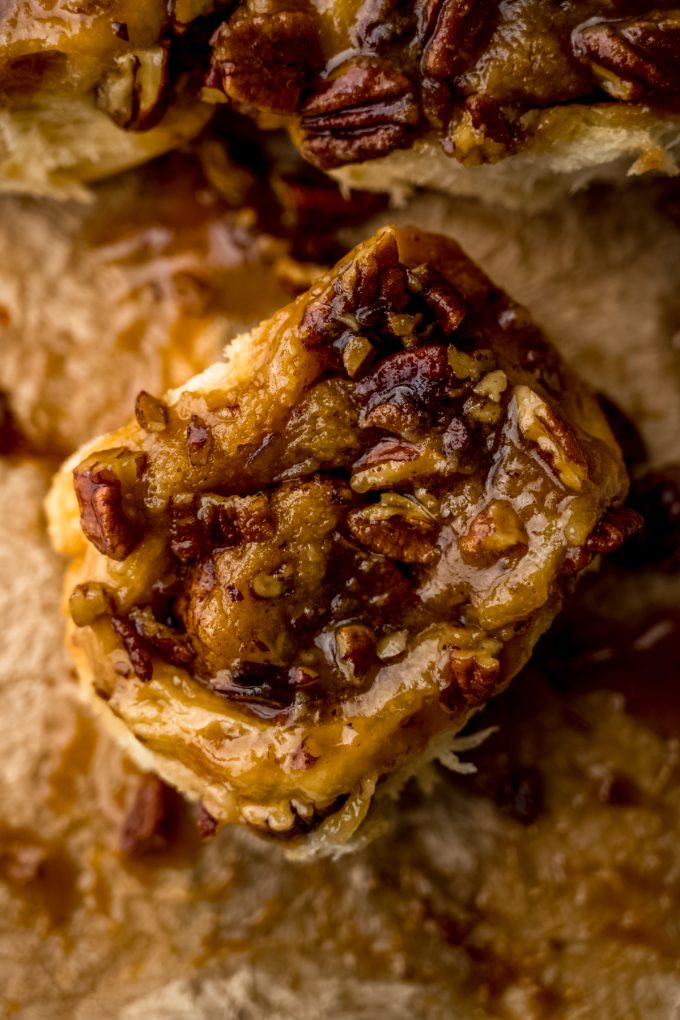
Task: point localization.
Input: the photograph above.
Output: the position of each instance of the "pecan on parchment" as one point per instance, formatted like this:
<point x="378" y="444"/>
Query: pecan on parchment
<point x="633" y="58"/>
<point x="363" y="111"/>
<point x="262" y="60"/>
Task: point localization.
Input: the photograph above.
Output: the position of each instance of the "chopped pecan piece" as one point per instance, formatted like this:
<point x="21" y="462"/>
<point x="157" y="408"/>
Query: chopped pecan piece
<point x="554" y="439"/>
<point x="615" y="527"/>
<point x="488" y="118"/>
<point x="88" y="601"/>
<point x="444" y="301"/>
<point x="134" y="93"/>
<point x="135" y="646"/>
<point x="199" y="441"/>
<point x="451" y="33"/>
<point x="355" y="644"/>
<point x="392" y="645"/>
<point x="474" y="677"/>
<point x="363" y="111"/>
<point x="262" y="60"/>
<point x="398" y="528"/>
<point x="457" y="438"/>
<point x="496" y="531"/>
<point x="167" y="642"/>
<point x="202" y="523"/>
<point x="150" y="412"/>
<point x="633" y="57"/>
<point x="188" y="539"/>
<point x="148" y="819"/>
<point x="361" y="296"/>
<point x="263" y="687"/>
<point x="100" y="484"/>
<point x="386" y="451"/>
<point x="380" y="23"/>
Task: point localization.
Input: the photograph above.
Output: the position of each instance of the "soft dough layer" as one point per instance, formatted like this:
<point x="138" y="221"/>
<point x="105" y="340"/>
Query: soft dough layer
<point x="90" y="89"/>
<point x="307" y="567"/>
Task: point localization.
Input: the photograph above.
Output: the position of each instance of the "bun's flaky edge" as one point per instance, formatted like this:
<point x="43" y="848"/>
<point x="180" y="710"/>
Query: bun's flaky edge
<point x="57" y="145"/>
<point x="568" y="149"/>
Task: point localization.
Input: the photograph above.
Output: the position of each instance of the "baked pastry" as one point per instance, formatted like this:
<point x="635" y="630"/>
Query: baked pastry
<point x="304" y="570"/>
<point x="89" y="89"/>
<point x="466" y="96"/>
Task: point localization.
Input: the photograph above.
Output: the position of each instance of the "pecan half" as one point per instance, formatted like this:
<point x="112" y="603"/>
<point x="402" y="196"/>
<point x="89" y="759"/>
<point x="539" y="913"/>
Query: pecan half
<point x="633" y="57"/>
<point x="450" y="34"/>
<point x="418" y="380"/>
<point x="364" y="110"/>
<point x="262" y="60"/>
<point x="102" y="484"/>
<point x="397" y="528"/>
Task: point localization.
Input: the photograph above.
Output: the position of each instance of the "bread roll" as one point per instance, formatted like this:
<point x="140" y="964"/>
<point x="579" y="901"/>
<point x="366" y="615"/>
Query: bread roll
<point x="513" y="102"/>
<point x="306" y="568"/>
<point x="88" y="90"/>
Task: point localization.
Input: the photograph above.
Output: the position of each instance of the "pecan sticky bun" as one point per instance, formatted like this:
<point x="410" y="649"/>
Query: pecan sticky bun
<point x="304" y="570"/>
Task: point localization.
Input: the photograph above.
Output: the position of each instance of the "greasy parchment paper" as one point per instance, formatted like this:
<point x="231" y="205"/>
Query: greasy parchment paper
<point x="461" y="911"/>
